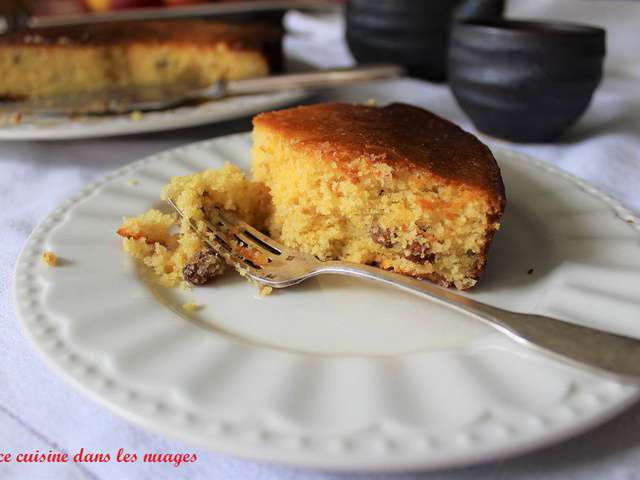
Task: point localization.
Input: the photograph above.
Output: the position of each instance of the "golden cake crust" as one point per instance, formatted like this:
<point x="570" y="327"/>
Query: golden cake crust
<point x="395" y="134"/>
<point x="249" y="36"/>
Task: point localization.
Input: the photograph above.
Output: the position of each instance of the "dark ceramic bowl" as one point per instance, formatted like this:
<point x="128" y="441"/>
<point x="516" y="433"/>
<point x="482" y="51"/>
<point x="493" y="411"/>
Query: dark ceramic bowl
<point x="525" y="81"/>
<point x="409" y="32"/>
<point x="413" y="33"/>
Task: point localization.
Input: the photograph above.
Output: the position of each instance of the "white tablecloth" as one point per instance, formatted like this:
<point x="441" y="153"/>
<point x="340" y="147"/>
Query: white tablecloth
<point x="40" y="411"/>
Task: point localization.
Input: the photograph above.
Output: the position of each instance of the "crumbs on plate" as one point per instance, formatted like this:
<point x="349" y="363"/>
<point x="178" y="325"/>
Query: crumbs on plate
<point x="49" y="258"/>
<point x="133" y="182"/>
<point x="191" y="307"/>
<point x="264" y="290"/>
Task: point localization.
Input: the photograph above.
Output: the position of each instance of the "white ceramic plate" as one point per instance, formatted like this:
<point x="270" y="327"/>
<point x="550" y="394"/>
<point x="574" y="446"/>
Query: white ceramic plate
<point x="336" y="373"/>
<point x="52" y="127"/>
<point x="235" y="8"/>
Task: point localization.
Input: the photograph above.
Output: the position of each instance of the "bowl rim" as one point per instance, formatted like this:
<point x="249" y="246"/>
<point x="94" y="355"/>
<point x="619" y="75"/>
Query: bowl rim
<point x="529" y="27"/>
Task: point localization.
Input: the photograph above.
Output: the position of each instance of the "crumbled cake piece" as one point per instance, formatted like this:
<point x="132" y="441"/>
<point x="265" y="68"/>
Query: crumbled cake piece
<point x="168" y="245"/>
<point x="265" y="290"/>
<point x="395" y="186"/>
<point x="49" y="258"/>
<point x="191" y="307"/>
<point x="227" y="187"/>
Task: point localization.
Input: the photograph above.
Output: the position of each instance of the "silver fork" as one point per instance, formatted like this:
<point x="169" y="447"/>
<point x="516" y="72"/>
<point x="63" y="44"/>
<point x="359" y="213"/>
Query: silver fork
<point x="268" y="262"/>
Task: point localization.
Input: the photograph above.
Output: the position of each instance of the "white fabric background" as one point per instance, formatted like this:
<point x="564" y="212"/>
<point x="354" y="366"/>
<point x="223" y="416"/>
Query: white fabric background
<point x="39" y="411"/>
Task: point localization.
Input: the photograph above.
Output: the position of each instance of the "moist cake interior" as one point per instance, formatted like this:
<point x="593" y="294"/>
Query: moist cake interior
<point x="170" y="247"/>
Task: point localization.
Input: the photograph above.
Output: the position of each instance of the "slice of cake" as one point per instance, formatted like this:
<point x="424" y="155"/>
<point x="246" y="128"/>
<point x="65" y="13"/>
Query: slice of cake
<point x="396" y="186"/>
<point x="64" y="60"/>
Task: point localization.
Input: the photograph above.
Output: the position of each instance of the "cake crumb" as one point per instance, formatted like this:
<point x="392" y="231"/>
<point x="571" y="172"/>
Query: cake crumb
<point x="16" y="118"/>
<point x="136" y="115"/>
<point x="133" y="182"/>
<point x="264" y="290"/>
<point x="630" y="221"/>
<point x="371" y="102"/>
<point x="191" y="307"/>
<point x="530" y="271"/>
<point x="49" y="258"/>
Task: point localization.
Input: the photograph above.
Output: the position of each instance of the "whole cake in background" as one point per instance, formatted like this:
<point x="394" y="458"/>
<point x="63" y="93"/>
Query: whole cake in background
<point x="197" y="53"/>
<point x="395" y="186"/>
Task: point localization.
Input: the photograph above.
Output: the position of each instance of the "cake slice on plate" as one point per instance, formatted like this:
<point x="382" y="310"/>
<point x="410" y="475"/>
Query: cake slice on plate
<point x="394" y="186"/>
<point x="65" y="60"/>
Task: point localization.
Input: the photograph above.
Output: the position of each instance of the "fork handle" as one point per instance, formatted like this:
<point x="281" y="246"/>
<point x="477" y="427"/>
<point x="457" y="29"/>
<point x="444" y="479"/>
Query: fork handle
<point x="602" y="351"/>
<point x="322" y="78"/>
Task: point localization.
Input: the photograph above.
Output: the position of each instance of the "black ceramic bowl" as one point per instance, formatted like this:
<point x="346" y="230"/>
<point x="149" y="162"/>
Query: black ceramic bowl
<point x="413" y="33"/>
<point x="524" y="81"/>
<point x="409" y="32"/>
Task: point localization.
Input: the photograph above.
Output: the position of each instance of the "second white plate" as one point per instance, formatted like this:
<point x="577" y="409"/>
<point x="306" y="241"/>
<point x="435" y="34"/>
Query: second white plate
<point x="335" y="373"/>
<point x="60" y="127"/>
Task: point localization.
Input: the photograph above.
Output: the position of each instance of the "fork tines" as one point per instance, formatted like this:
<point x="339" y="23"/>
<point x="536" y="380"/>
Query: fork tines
<point x="242" y="246"/>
